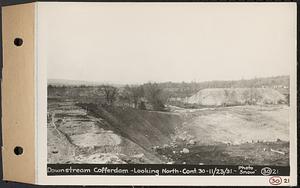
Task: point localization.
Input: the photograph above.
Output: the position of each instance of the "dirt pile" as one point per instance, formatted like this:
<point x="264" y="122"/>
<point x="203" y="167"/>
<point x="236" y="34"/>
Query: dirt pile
<point x="236" y="96"/>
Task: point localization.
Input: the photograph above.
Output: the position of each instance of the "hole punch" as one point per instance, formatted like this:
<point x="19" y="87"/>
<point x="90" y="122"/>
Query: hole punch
<point x="18" y="150"/>
<point x="18" y="41"/>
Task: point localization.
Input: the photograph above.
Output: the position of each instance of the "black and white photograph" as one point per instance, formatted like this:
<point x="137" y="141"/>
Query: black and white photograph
<point x="174" y="84"/>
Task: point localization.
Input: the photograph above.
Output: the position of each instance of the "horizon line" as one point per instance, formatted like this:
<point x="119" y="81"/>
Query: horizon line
<point x="151" y="81"/>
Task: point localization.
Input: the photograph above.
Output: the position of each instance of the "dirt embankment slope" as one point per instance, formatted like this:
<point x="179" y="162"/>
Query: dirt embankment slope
<point x="89" y="133"/>
<point x="146" y="128"/>
<point x="96" y="134"/>
<point x="236" y="96"/>
<point x="167" y="134"/>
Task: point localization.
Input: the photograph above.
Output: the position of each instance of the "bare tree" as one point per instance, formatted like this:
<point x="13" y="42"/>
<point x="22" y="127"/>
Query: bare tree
<point x="155" y="96"/>
<point x="110" y="93"/>
<point x="137" y="92"/>
<point x="133" y="94"/>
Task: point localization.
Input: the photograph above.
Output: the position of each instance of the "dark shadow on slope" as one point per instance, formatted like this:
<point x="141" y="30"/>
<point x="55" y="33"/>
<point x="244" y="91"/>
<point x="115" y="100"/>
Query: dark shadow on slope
<point x="145" y="128"/>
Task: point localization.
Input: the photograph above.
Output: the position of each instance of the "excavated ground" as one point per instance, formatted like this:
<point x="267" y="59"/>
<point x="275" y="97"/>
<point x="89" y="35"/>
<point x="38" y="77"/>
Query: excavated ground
<point x="88" y="133"/>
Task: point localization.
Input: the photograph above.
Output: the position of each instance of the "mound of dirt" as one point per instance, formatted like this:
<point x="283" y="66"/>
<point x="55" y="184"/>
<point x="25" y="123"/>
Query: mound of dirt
<point x="236" y="96"/>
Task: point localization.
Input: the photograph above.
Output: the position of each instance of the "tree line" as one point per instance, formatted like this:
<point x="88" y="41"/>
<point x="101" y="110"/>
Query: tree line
<point x="155" y="95"/>
<point x="136" y="96"/>
<point x="187" y="89"/>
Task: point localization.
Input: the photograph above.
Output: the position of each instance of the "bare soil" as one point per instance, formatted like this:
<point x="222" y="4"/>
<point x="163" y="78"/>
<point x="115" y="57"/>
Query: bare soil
<point x="223" y="154"/>
<point x="89" y="133"/>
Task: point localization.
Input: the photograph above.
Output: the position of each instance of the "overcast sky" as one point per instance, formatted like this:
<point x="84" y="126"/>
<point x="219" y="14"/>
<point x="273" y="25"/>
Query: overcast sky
<point x="134" y="43"/>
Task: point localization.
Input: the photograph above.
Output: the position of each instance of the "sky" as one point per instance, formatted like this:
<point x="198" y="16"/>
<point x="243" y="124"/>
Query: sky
<point x="130" y="43"/>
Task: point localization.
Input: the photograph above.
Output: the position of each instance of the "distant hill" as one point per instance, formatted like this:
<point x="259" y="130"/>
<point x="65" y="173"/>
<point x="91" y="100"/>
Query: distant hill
<point x="64" y="82"/>
<point x="187" y="89"/>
